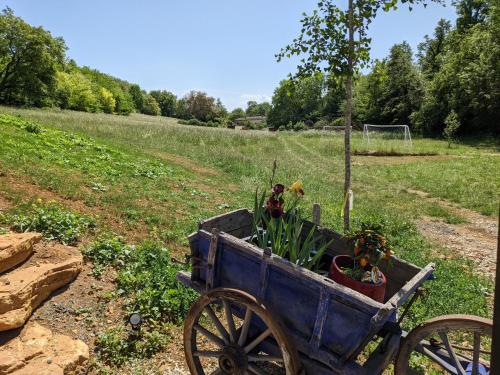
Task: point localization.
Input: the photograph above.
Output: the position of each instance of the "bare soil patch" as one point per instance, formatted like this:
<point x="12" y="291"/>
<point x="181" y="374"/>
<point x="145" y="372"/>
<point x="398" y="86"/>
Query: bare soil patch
<point x="475" y="240"/>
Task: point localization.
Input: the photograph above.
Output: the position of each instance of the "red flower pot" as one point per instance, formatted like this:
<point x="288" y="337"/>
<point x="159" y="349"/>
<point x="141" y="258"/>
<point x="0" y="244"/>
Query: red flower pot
<point x="376" y="292"/>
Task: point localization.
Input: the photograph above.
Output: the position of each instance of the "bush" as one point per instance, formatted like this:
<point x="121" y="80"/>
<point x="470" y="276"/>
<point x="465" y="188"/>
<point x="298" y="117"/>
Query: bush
<point x="53" y="221"/>
<point x="298" y="126"/>
<point x="33" y="127"/>
<point x="116" y="345"/>
<point x="148" y="280"/>
<point x="107" y="100"/>
<point x="151" y="106"/>
<point x="106" y="251"/>
<point x="451" y="125"/>
<point x="322" y="123"/>
<point x="339" y="121"/>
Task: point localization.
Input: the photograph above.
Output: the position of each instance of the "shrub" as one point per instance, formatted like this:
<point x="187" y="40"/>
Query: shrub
<point x="451" y="125"/>
<point x="322" y="123"/>
<point x="148" y="280"/>
<point x="32" y="127"/>
<point x="117" y="345"/>
<point x="339" y="121"/>
<point x="151" y="106"/>
<point x="298" y="126"/>
<point x="53" y="221"/>
<point x="106" y="251"/>
<point x="107" y="100"/>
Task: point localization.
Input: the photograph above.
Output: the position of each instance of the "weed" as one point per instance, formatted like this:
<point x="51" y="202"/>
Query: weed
<point x="117" y="345"/>
<point x="51" y="219"/>
<point x="106" y="251"/>
<point x="148" y="280"/>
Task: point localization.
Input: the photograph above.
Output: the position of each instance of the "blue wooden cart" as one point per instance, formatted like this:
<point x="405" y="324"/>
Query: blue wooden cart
<point x="258" y="313"/>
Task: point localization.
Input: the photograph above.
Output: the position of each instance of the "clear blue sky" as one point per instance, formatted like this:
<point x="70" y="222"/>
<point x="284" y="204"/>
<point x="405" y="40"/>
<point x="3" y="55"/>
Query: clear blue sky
<point x="223" y="47"/>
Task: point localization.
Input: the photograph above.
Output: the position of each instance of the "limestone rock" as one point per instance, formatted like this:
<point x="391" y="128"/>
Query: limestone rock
<point x="37" y="350"/>
<point x="23" y="290"/>
<point x="16" y="248"/>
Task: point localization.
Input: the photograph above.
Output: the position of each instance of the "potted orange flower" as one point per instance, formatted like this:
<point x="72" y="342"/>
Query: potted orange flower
<point x="362" y="272"/>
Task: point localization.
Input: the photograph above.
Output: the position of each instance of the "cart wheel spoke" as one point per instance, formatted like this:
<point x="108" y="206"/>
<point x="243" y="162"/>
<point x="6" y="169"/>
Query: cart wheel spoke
<point x="264" y="358"/>
<point x="475" y="355"/>
<point x="230" y="320"/>
<point x="213" y="347"/>
<point x="451" y="352"/>
<point x="207" y="353"/>
<point x="257" y="341"/>
<point x="463" y="346"/>
<point x="218" y="324"/>
<point x="245" y="326"/>
<point x="255" y="370"/>
<point x="209" y="335"/>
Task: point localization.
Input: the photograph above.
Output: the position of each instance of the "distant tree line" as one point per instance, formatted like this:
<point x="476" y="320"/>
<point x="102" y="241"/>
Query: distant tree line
<point x="455" y="79"/>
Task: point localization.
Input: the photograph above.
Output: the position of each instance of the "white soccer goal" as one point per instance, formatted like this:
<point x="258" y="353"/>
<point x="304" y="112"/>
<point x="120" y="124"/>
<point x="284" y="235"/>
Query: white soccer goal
<point x="387" y="132"/>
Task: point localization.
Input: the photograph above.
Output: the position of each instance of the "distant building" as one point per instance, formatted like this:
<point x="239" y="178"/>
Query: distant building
<point x="252" y="120"/>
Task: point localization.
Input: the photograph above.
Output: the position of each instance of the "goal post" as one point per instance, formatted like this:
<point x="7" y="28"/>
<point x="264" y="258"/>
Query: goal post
<point x="404" y="129"/>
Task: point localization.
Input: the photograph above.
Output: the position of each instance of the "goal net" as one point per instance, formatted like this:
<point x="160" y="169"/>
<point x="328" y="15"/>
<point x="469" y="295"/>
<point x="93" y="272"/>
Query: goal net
<point x="387" y="132"/>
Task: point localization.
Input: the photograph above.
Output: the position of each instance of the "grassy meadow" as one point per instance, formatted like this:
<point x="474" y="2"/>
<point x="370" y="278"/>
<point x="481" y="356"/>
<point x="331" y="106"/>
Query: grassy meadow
<point x="143" y="176"/>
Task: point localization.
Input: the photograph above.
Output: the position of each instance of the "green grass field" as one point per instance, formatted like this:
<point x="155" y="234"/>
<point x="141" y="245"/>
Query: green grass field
<point x="143" y="176"/>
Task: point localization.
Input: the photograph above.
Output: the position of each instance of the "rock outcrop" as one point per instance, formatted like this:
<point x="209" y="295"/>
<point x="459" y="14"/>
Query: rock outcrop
<point x="24" y="289"/>
<point x="39" y="351"/>
<point x="15" y="248"/>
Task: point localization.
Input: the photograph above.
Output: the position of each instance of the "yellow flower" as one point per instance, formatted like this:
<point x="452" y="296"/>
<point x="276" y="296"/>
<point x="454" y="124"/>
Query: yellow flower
<point x="39" y="200"/>
<point x="297" y="188"/>
<point x="363" y="262"/>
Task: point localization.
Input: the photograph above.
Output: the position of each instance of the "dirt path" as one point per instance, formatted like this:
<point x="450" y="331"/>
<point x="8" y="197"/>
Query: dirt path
<point x="476" y="239"/>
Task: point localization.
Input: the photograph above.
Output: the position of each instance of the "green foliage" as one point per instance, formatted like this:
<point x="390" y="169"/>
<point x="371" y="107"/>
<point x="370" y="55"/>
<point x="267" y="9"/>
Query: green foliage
<point x="29" y="59"/>
<point x="196" y="122"/>
<point x="138" y="97"/>
<point x="106" y="100"/>
<point x="51" y="219"/>
<point x="451" y="125"/>
<point x="74" y="91"/>
<point x="257" y="109"/>
<point x="106" y="251"/>
<point x="236" y="114"/>
<point x="148" y="281"/>
<point x="166" y="100"/>
<point x="117" y="345"/>
<point x="304" y="99"/>
<point x="150" y="106"/>
<point x="200" y="106"/>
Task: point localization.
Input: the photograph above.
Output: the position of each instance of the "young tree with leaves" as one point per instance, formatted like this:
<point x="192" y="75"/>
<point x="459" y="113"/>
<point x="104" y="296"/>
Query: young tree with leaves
<point x="336" y="42"/>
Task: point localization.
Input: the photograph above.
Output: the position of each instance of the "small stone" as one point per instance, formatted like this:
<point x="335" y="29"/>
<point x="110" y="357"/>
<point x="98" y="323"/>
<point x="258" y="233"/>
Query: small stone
<point x="49" y="360"/>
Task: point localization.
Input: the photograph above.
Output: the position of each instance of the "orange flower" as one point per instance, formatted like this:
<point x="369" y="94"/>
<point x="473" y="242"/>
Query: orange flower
<point x="363" y="262"/>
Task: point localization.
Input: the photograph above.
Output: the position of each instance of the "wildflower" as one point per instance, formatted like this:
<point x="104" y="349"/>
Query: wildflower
<point x="275" y="206"/>
<point x="297" y="188"/>
<point x="39" y="200"/>
<point x="278" y="189"/>
<point x="363" y="262"/>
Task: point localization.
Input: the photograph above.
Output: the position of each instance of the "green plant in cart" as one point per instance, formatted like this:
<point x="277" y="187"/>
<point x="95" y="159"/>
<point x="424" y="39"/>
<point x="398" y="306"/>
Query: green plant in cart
<point x="280" y="227"/>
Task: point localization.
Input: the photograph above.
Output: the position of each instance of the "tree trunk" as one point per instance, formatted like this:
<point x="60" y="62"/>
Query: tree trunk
<point x="348" y="120"/>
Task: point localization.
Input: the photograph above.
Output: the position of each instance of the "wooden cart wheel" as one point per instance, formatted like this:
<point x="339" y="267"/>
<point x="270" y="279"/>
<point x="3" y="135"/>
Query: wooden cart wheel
<point x="450" y="344"/>
<point x="219" y="341"/>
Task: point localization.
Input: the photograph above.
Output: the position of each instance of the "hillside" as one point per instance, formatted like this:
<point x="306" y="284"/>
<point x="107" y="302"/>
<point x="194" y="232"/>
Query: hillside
<point x="149" y="178"/>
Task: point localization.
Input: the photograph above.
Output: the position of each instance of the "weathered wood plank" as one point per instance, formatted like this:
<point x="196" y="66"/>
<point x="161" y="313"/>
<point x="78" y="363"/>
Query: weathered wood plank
<point x="212" y="252"/>
<point x="237" y="223"/>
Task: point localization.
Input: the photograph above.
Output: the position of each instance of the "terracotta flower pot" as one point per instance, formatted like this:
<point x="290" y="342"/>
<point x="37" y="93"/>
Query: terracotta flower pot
<point x="376" y="292"/>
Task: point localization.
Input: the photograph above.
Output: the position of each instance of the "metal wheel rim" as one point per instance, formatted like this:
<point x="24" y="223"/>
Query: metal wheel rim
<point x="290" y="359"/>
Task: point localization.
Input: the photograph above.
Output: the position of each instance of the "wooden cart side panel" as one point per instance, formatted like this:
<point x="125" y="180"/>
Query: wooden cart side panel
<point x="295" y="294"/>
<point x="237" y="223"/>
